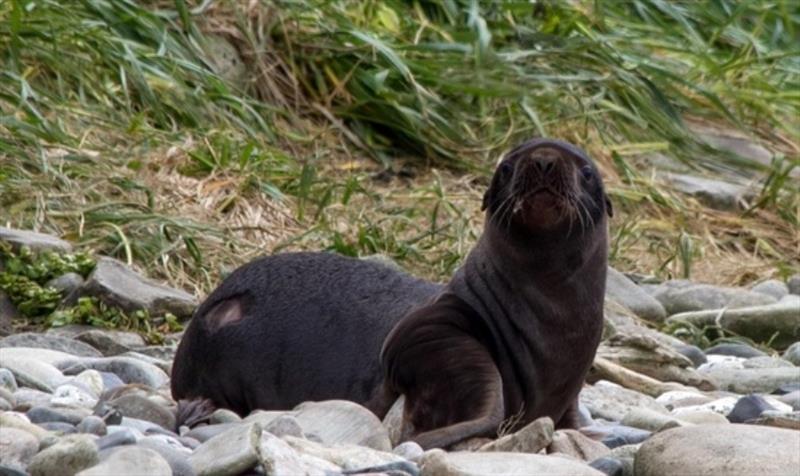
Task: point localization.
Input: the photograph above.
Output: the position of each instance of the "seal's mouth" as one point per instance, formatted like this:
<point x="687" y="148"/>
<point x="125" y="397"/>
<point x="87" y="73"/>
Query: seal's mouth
<point x="540" y="199"/>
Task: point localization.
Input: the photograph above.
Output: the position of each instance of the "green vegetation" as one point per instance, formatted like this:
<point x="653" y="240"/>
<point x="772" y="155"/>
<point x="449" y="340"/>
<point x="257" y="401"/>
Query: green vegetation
<point x="25" y="279"/>
<point x="191" y="136"/>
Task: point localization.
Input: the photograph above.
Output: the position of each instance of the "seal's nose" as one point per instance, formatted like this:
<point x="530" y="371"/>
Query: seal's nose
<point x="545" y="164"/>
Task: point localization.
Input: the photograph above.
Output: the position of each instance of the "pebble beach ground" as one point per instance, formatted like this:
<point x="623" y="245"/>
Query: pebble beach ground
<point x="84" y="400"/>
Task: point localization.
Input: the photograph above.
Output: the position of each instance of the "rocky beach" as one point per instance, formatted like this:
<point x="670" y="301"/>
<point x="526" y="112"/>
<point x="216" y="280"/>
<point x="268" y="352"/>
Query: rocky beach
<point x="89" y="400"/>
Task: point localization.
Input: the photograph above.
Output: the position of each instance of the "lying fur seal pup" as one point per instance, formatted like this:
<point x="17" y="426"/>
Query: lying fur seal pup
<point x="512" y="335"/>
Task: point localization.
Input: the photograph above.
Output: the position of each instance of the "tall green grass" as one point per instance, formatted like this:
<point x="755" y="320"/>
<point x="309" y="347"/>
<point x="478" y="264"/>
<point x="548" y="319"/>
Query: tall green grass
<point x="89" y="87"/>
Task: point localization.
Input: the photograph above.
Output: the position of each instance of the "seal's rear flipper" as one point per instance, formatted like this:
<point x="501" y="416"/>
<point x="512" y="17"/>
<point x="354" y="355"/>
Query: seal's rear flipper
<point x="193" y="412"/>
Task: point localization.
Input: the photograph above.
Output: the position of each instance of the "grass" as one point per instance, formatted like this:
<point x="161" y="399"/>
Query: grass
<point x="187" y="137"/>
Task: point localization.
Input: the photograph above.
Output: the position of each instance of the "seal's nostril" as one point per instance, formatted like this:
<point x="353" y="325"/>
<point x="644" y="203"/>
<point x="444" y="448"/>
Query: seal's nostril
<point x="545" y="165"/>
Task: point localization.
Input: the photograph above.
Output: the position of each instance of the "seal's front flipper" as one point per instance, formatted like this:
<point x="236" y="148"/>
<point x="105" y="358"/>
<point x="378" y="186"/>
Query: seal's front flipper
<point x="453" y="393"/>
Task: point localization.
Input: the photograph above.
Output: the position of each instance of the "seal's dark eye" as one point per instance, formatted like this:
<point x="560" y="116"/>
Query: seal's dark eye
<point x="587" y="173"/>
<point x="506" y="169"/>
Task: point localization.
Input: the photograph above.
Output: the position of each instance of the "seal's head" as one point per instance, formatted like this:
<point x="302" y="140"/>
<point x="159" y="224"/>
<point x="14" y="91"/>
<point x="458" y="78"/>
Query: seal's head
<point x="546" y="186"/>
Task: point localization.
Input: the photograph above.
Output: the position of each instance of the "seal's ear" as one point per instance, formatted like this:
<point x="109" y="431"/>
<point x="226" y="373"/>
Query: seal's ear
<point x="609" y="207"/>
<point x="491" y="192"/>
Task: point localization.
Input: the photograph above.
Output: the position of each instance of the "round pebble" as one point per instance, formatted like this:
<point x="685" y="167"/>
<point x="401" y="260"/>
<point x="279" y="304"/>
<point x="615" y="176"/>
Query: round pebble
<point x="7" y="380"/>
<point x="69" y="455"/>
<point x="92" y="424"/>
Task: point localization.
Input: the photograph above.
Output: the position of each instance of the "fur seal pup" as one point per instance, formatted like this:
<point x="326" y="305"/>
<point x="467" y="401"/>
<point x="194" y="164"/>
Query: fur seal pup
<point x="512" y="335"/>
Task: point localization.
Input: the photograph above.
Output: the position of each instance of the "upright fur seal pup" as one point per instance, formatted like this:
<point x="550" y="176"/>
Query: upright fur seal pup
<point x="511" y="336"/>
<point x="514" y="333"/>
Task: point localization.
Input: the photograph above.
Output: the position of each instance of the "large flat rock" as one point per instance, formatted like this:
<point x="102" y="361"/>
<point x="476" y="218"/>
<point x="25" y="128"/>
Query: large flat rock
<point x="627" y="293"/>
<point x="732" y="450"/>
<point x="439" y="463"/>
<point x="34" y="241"/>
<point x="745" y="381"/>
<point x="117" y="285"/>
<point x="777" y="323"/>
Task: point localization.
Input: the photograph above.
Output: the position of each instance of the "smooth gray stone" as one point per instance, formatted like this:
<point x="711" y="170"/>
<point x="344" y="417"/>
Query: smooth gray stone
<point x="7" y="470"/>
<point x="161" y="364"/>
<point x="777" y="323"/>
<point x="7" y="380"/>
<point x="52" y="342"/>
<point x="692" y="353"/>
<point x="145" y="427"/>
<point x="110" y="342"/>
<point x="730" y="449"/>
<point x="684" y="298"/>
<point x="223" y="415"/>
<point x="137" y="406"/>
<point x="130" y="461"/>
<point x="205" y="433"/>
<point x="340" y="422"/>
<point x="609" y="466"/>
<point x="27" y="398"/>
<point x="69" y="455"/>
<point x="59" y="427"/>
<point x="34" y="374"/>
<point x="41" y="414"/>
<point x="69" y="331"/>
<point x="33" y="240"/>
<point x="532" y="438"/>
<point x="792" y="399"/>
<point x="92" y="424"/>
<point x="111" y="381"/>
<point x="409" y="450"/>
<point x="771" y="287"/>
<point x="766" y="363"/>
<point x="128" y="369"/>
<point x="793" y="284"/>
<point x="284" y="425"/>
<point x="717" y="194"/>
<point x="748" y="407"/>
<point x="745" y="381"/>
<point x="612" y="402"/>
<point x="404" y="468"/>
<point x="792" y="354"/>
<point x="735" y="350"/>
<point x="231" y="452"/>
<point x="736" y="144"/>
<point x="461" y="463"/>
<point x="178" y="460"/>
<point x="17" y="447"/>
<point x="66" y="283"/>
<point x="8" y="396"/>
<point x="278" y="457"/>
<point x="121" y="436"/>
<point x="627" y="293"/>
<point x="117" y="285"/>
<point x="164" y="353"/>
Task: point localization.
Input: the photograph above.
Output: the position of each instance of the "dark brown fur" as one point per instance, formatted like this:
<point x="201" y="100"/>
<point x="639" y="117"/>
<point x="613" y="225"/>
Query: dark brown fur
<point x="515" y="331"/>
<point x="512" y="334"/>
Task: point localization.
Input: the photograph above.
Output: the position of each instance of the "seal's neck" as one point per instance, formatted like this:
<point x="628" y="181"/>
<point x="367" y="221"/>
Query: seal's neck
<point x="567" y="274"/>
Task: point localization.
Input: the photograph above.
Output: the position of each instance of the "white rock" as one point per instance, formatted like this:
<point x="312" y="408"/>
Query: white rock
<point x="70" y="395"/>
<point x="722" y="361"/>
<point x="279" y="459"/>
<point x="91" y="380"/>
